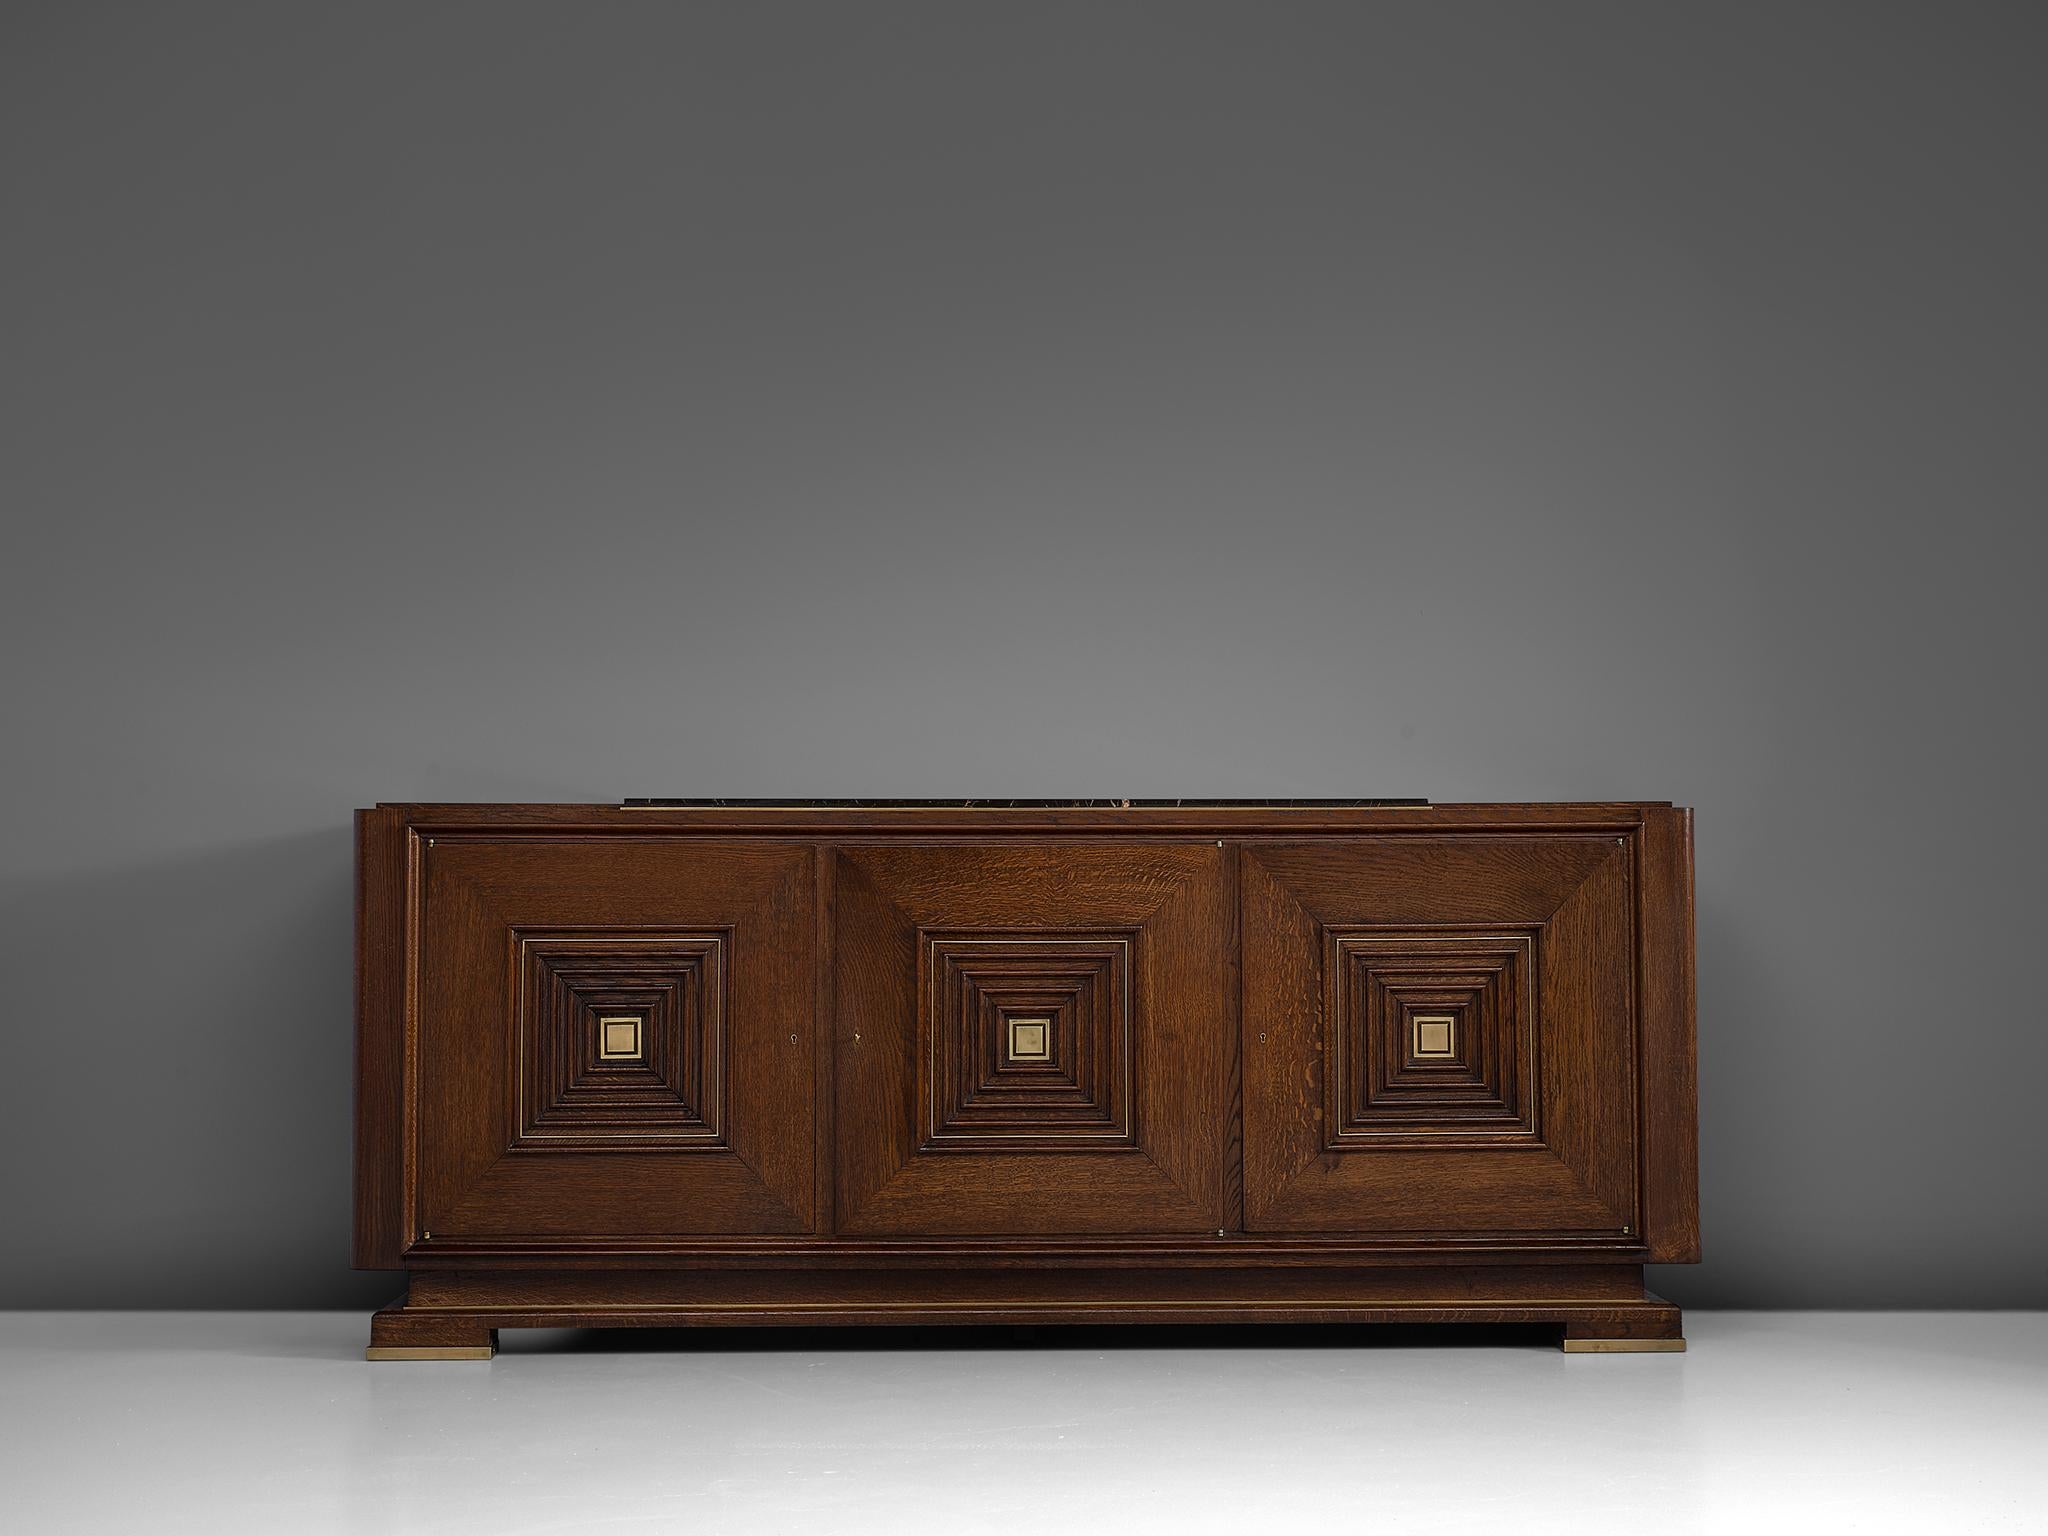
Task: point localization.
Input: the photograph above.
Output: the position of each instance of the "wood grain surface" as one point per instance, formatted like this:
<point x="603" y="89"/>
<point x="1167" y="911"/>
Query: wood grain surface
<point x="1184" y="1150"/>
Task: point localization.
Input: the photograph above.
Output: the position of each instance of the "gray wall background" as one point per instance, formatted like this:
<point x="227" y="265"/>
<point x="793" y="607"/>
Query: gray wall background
<point x="1480" y="401"/>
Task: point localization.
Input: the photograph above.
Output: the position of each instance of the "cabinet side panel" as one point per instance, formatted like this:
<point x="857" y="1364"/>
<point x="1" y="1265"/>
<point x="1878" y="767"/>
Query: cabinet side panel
<point x="1671" y="1200"/>
<point x="380" y="1040"/>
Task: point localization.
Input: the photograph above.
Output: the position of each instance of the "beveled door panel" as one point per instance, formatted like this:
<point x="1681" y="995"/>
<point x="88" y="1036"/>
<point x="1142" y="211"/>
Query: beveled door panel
<point x="1439" y="1036"/>
<point x="1031" y="1038"/>
<point x="616" y="1038"/>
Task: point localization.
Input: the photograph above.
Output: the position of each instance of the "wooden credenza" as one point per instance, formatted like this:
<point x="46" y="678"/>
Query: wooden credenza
<point x="689" y="1063"/>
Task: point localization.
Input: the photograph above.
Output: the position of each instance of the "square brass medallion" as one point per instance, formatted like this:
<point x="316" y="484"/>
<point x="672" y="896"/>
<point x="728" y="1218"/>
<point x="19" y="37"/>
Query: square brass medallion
<point x="618" y="1037"/>
<point x="1433" y="1036"/>
<point x="1030" y="1039"/>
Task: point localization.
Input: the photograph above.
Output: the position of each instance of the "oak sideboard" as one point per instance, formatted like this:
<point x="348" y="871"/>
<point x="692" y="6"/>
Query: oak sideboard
<point x="721" y="1062"/>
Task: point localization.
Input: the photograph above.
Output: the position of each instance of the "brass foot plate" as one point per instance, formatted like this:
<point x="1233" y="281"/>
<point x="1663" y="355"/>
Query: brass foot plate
<point x="429" y="1352"/>
<point x="1624" y="1346"/>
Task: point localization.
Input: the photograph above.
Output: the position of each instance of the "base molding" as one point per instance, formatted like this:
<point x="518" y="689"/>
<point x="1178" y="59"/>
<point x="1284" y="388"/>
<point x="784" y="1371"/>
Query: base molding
<point x="454" y="1314"/>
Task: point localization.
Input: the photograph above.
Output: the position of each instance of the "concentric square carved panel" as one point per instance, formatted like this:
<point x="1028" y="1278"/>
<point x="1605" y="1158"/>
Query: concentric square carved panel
<point x="1121" y="951"/>
<point x="620" y="1041"/>
<point x="525" y="1131"/>
<point x="1026" y="1040"/>
<point x="1431" y="1034"/>
<point x="1440" y="1037"/>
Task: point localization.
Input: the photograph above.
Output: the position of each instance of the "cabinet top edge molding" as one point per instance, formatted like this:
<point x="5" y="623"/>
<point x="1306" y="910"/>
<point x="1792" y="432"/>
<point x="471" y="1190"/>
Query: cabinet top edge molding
<point x="1228" y="816"/>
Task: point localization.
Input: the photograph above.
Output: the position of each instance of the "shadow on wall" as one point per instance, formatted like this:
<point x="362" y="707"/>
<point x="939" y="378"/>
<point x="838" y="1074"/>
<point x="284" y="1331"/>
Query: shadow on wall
<point x="181" y="1082"/>
<point x="1758" y="1112"/>
<point x="1719" y="942"/>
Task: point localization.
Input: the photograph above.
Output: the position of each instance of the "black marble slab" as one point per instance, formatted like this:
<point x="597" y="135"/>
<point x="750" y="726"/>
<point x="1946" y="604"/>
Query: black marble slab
<point x="656" y="803"/>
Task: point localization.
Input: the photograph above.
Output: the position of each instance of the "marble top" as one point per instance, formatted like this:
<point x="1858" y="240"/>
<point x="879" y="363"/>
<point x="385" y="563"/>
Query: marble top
<point x="1033" y="805"/>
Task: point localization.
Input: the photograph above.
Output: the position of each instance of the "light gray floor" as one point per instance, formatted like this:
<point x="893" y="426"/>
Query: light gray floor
<point x="1811" y="1422"/>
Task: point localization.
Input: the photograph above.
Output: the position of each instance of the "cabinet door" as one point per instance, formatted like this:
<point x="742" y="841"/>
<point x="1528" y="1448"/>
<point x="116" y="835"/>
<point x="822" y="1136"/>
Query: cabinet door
<point x="1439" y="1036"/>
<point x="616" y="1038"/>
<point x="1031" y="1038"/>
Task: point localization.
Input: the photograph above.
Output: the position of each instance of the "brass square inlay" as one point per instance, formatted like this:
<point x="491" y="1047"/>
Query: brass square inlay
<point x="1433" y="1035"/>
<point x="618" y="1038"/>
<point x="1030" y="1039"/>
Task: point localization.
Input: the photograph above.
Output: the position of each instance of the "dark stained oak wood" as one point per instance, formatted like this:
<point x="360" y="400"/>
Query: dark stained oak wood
<point x="481" y="895"/>
<point x="381" y="1227"/>
<point x="940" y="820"/>
<point x="1229" y="1122"/>
<point x="1233" y="1096"/>
<point x="1205" y="1250"/>
<point x="1169" y="904"/>
<point x="1568" y="899"/>
<point x="410" y="1332"/>
<point x="1594" y="1301"/>
<point x="1670" y="1091"/>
